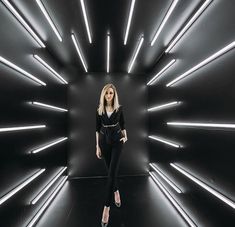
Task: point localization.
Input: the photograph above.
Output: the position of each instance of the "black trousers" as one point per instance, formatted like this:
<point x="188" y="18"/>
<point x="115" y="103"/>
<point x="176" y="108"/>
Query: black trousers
<point x="111" y="155"/>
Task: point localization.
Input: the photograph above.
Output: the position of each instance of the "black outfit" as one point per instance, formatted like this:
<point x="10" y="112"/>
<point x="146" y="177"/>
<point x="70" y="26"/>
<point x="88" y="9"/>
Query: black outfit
<point x="109" y="129"/>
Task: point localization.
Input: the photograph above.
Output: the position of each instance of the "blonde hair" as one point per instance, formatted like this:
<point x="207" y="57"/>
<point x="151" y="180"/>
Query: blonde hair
<point x="102" y="103"/>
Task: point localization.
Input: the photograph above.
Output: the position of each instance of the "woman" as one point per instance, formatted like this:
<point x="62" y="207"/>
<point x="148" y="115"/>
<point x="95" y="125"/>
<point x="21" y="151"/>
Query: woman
<point x="110" y="137"/>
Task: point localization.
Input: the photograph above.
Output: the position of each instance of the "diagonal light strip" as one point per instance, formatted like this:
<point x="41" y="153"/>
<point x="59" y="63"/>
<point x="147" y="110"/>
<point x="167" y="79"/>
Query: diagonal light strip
<point x="201" y="64"/>
<point x="194" y="124"/>
<point x="49" y="106"/>
<point x="78" y="51"/>
<point x="129" y="21"/>
<point x="21" y="128"/>
<point x="156" y="168"/>
<point x="18" y="69"/>
<point x="205" y="186"/>
<point x="44" y="11"/>
<point x="19" y="187"/>
<point x="50" y="68"/>
<point x="170" y="10"/>
<point x="188" y="25"/>
<point x="153" y="80"/>
<point x="170" y="104"/>
<point x="136" y="53"/>
<point x="23" y="22"/>
<point x="108" y="53"/>
<point x="86" y="21"/>
<point x="165" y="141"/>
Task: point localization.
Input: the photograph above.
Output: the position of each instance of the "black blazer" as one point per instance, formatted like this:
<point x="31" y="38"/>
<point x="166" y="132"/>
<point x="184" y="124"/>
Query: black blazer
<point x="110" y="133"/>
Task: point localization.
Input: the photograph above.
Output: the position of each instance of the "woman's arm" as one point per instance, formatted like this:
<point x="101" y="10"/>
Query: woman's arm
<point x="97" y="139"/>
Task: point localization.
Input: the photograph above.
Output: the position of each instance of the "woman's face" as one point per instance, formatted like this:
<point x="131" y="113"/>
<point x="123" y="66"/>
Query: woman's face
<point x="109" y="95"/>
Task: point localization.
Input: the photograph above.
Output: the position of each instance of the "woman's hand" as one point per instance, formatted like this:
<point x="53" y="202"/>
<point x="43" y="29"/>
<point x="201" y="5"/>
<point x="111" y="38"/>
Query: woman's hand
<point x="98" y="152"/>
<point x="124" y="139"/>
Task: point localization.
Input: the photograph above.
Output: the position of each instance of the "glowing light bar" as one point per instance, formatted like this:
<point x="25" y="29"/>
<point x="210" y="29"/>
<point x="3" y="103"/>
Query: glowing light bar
<point x="165" y="141"/>
<point x="21" y="128"/>
<point x="154" y="166"/>
<point x="129" y="21"/>
<point x="86" y="21"/>
<point x="50" y="68"/>
<point x="18" y="69"/>
<point x="44" y="11"/>
<point x="136" y="53"/>
<point x="34" y="201"/>
<point x="23" y="22"/>
<point x="49" y="106"/>
<point x="45" y="205"/>
<point x="108" y="52"/>
<point x="164" y="106"/>
<point x="201" y="124"/>
<point x="78" y="51"/>
<point x="19" y="187"/>
<point x="49" y="145"/>
<point x="173" y="201"/>
<point x="164" y="21"/>
<point x="205" y="186"/>
<point x="207" y="60"/>
<point x="153" y="80"/>
<point x="188" y="25"/>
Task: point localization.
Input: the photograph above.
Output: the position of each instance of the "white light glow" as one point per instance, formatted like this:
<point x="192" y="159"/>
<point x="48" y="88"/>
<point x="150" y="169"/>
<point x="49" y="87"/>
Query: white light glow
<point x="49" y="106"/>
<point x="129" y="21"/>
<point x="45" y="205"/>
<point x="19" y="187"/>
<point x="173" y="4"/>
<point x="86" y="21"/>
<point x="136" y="53"/>
<point x="165" y="141"/>
<point x="188" y="25"/>
<point x="23" y="22"/>
<point x="18" y="69"/>
<point x="50" y="68"/>
<point x="78" y="51"/>
<point x="43" y="191"/>
<point x="21" y="128"/>
<point x="193" y="124"/>
<point x="108" y="53"/>
<point x="156" y="168"/>
<point x="153" y="80"/>
<point x="49" y="145"/>
<point x="44" y="11"/>
<point x="207" y="60"/>
<point x="205" y="186"/>
<point x="173" y="201"/>
<point x="170" y="104"/>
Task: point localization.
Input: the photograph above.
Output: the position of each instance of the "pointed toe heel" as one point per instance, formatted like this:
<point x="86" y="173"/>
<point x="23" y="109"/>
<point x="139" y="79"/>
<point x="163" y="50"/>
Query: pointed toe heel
<point x="103" y="224"/>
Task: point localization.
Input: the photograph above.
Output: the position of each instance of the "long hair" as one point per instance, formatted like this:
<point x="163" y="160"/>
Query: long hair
<point x="103" y="102"/>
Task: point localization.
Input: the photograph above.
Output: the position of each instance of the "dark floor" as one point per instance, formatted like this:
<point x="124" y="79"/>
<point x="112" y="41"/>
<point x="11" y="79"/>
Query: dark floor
<point x="80" y="203"/>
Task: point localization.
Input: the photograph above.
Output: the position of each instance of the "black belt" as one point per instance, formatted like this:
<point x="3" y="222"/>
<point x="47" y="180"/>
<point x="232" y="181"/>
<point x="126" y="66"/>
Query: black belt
<point x="110" y="125"/>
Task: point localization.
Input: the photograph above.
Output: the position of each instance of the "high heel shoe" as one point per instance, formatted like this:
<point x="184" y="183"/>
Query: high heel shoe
<point x="118" y="204"/>
<point x="103" y="224"/>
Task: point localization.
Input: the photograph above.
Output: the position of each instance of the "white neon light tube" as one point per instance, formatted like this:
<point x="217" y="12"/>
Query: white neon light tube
<point x="23" y="22"/>
<point x="86" y="21"/>
<point x="154" y="166"/>
<point x="170" y="104"/>
<point x="45" y="205"/>
<point x="18" y="69"/>
<point x="78" y="51"/>
<point x="204" y="62"/>
<point x="129" y="21"/>
<point x="173" y="201"/>
<point x="165" y="141"/>
<point x="205" y="186"/>
<point x="153" y="80"/>
<point x="108" y="53"/>
<point x="188" y="25"/>
<point x="21" y="128"/>
<point x="201" y="124"/>
<point x="173" y="4"/>
<point x="48" y="145"/>
<point x="49" y="106"/>
<point x="50" y="68"/>
<point x="19" y="187"/>
<point x="44" y="11"/>
<point x="34" y="201"/>
<point x="136" y="53"/>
